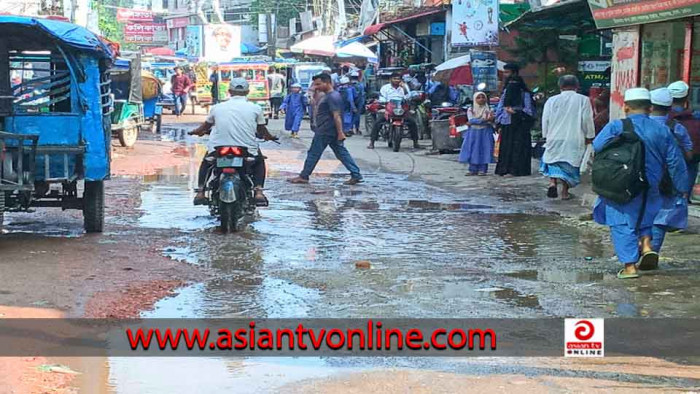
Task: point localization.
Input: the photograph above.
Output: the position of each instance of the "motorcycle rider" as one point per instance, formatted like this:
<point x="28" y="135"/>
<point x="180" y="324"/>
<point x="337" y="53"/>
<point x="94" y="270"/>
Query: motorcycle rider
<point x="394" y="90"/>
<point x="238" y="123"/>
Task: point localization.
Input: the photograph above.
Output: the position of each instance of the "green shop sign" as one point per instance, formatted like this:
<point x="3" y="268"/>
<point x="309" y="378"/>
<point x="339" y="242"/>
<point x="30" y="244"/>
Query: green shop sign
<point x="615" y="13"/>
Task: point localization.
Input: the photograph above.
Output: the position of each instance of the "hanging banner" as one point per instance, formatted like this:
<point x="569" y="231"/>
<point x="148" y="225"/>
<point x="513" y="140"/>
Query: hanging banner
<point x="193" y="41"/>
<point x="484" y="69"/>
<point x="475" y="22"/>
<point x="126" y="15"/>
<point x="615" y="13"/>
<point x="222" y="42"/>
<point x="625" y="71"/>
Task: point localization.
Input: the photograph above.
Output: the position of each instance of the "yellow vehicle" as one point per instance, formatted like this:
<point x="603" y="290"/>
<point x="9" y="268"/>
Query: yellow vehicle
<point x="254" y="72"/>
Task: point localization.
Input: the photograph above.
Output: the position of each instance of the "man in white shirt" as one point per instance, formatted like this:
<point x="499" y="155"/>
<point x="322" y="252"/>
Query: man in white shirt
<point x="236" y="122"/>
<point x="394" y="90"/>
<point x="567" y="127"/>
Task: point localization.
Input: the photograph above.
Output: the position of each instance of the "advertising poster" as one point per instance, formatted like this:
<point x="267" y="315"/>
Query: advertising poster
<point x="475" y="22"/>
<point x="222" y="42"/>
<point x="484" y="69"/>
<point x="616" y="13"/>
<point x="625" y="71"/>
<point x="193" y="41"/>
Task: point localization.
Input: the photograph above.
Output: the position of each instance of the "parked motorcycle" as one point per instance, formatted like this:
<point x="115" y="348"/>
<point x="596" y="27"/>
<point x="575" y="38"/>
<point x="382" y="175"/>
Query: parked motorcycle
<point x="229" y="186"/>
<point x="372" y="109"/>
<point x="420" y="110"/>
<point x="396" y="123"/>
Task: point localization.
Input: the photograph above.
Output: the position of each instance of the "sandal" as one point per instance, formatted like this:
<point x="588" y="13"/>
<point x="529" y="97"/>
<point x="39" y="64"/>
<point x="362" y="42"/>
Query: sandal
<point x="552" y="192"/>
<point x="470" y="174"/>
<point x="622" y="275"/>
<point x="649" y="261"/>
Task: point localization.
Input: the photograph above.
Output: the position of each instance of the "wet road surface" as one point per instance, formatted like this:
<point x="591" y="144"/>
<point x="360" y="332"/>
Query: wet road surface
<point x="432" y="253"/>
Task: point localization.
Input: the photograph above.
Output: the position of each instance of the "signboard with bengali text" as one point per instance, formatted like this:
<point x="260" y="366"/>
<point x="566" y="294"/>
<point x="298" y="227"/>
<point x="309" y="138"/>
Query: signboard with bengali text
<point x="616" y="13"/>
<point x="128" y="15"/>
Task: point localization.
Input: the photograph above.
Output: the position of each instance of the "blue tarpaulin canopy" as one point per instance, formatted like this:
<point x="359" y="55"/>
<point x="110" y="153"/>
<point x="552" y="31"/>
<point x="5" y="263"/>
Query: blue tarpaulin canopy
<point x="249" y="48"/>
<point x="72" y="35"/>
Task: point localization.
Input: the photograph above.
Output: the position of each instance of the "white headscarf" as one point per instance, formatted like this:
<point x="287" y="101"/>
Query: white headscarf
<point x="481" y="111"/>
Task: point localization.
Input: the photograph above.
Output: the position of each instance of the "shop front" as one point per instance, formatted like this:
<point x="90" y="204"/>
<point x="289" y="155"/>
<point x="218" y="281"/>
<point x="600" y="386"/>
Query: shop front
<point x="654" y="44"/>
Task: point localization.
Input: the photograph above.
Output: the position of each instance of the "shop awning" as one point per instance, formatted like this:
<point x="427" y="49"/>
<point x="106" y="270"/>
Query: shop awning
<point x="374" y="29"/>
<point x="318" y="45"/>
<point x="565" y="15"/>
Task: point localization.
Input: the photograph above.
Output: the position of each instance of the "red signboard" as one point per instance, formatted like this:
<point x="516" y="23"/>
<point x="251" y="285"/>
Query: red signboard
<point x="144" y="28"/>
<point x="177" y="22"/>
<point x="125" y="14"/>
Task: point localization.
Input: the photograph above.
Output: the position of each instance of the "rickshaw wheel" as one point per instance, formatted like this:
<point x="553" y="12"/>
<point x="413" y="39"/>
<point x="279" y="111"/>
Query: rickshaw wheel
<point x="159" y="121"/>
<point x="129" y="134"/>
<point x="94" y="206"/>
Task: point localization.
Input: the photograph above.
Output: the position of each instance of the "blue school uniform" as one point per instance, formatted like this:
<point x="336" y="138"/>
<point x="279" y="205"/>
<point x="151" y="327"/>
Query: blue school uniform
<point x="674" y="211"/>
<point x="661" y="150"/>
<point x="347" y="92"/>
<point x="295" y="106"/>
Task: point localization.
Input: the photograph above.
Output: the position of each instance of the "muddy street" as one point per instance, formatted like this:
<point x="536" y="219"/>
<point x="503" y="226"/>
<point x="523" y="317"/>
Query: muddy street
<point x="417" y="239"/>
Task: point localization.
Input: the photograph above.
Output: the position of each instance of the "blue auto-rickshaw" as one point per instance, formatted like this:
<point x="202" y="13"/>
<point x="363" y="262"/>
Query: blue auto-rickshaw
<point x="55" y="124"/>
<point x="128" y="106"/>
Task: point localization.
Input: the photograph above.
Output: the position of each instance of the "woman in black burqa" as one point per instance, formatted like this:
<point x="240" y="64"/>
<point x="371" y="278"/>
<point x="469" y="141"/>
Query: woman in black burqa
<point x="515" y="115"/>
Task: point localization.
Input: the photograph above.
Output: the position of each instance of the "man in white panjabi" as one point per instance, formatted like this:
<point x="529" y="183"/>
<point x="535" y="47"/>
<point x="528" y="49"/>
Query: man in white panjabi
<point x="567" y="127"/>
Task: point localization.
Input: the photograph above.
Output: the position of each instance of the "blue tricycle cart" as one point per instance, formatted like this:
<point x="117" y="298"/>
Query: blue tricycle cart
<point x="54" y="117"/>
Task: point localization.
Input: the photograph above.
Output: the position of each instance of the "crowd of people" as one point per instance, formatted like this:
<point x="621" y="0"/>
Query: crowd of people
<point x="638" y="207"/>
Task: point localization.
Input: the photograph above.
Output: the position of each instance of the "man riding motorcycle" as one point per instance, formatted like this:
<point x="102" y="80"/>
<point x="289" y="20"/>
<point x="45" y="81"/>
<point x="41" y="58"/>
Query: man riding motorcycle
<point x="396" y="89"/>
<point x="238" y="123"/>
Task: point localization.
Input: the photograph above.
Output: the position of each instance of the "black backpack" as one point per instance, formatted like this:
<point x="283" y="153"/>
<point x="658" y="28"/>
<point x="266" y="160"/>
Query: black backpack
<point x="619" y="172"/>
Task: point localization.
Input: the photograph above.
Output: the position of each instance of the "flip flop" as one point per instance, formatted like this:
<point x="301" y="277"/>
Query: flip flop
<point x="552" y="192"/>
<point x="568" y="198"/>
<point x="622" y="275"/>
<point x="649" y="261"/>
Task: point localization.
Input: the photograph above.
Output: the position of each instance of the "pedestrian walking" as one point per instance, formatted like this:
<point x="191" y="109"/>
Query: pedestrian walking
<point x="294" y="105"/>
<point x="673" y="214"/>
<point x="567" y="127"/>
<point x="631" y="218"/>
<point x="214" y="80"/>
<point x="276" y="83"/>
<point x="477" y="147"/>
<point x="180" y="86"/>
<point x="515" y="116"/>
<point x="691" y="121"/>
<point x="328" y="131"/>
<point x="601" y="114"/>
<point x="360" y="100"/>
<point x="347" y="92"/>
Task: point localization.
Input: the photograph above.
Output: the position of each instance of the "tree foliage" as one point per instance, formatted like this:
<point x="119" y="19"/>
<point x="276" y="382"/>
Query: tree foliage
<point x="285" y="10"/>
<point x="544" y="47"/>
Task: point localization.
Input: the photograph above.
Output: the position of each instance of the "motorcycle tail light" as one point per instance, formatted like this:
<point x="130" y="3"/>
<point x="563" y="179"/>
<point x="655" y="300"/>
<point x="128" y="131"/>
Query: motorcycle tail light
<point x="230" y="150"/>
<point x="228" y="170"/>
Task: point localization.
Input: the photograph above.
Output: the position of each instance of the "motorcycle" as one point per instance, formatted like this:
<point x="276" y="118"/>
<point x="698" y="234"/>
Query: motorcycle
<point x="397" y="121"/>
<point x="229" y="186"/>
<point x="420" y="109"/>
<point x="371" y="114"/>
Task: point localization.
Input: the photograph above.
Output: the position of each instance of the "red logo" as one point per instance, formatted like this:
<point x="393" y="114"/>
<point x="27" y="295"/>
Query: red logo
<point x="584" y="330"/>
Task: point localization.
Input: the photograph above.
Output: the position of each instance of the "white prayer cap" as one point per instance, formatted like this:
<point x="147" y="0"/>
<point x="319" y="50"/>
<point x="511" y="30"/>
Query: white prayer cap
<point x="661" y="96"/>
<point x="679" y="89"/>
<point x="635" y="94"/>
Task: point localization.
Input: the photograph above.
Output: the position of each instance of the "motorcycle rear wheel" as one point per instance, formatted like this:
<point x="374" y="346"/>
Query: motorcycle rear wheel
<point x="230" y="213"/>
